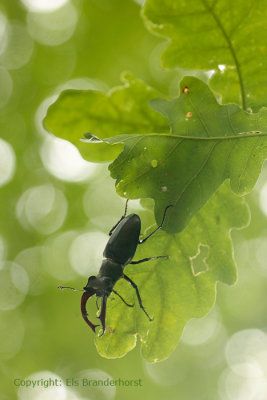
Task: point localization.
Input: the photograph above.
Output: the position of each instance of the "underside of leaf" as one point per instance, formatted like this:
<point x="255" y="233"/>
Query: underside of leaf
<point x="208" y="143"/>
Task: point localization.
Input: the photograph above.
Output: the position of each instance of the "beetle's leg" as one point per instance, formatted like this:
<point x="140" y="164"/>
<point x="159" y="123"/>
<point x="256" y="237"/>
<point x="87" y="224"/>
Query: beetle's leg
<point x="96" y="302"/>
<point x="138" y="295"/>
<point x="102" y="315"/>
<point x="124" y="215"/>
<point x="160" y="226"/>
<point x="126" y="206"/>
<point x="115" y="226"/>
<point x="129" y="305"/>
<point x="147" y="259"/>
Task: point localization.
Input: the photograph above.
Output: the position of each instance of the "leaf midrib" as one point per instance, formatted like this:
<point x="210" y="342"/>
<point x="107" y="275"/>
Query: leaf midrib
<point x="231" y="49"/>
<point x="124" y="138"/>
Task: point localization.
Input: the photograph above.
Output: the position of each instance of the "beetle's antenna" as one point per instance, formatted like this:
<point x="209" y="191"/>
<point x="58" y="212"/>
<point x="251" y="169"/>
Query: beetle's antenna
<point x="68" y="287"/>
<point x="126" y="206"/>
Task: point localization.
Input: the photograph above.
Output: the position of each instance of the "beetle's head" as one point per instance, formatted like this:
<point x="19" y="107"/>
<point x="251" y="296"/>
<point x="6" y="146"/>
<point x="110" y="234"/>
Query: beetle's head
<point x="102" y="286"/>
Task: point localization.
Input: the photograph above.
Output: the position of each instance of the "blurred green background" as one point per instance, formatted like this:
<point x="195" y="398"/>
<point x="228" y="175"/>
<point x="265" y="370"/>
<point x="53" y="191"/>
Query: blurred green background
<point x="56" y="210"/>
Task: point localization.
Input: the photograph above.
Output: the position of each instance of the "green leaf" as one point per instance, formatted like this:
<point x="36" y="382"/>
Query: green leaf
<point x="173" y="291"/>
<point x="123" y="110"/>
<point x="206" y="34"/>
<point x="208" y="144"/>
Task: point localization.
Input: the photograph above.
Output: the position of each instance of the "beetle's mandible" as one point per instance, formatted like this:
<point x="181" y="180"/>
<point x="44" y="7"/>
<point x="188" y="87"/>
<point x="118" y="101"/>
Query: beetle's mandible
<point x="119" y="251"/>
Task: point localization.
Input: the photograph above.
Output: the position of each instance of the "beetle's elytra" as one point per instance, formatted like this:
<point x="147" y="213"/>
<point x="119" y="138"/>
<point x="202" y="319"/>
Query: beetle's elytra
<point x="119" y="251"/>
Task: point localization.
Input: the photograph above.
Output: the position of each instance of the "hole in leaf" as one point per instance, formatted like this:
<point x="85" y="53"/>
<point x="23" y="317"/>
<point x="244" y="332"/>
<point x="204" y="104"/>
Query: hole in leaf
<point x="198" y="262"/>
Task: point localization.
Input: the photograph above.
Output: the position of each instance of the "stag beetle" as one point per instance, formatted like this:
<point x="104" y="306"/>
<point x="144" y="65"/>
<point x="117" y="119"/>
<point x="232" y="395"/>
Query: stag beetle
<point x="119" y="251"/>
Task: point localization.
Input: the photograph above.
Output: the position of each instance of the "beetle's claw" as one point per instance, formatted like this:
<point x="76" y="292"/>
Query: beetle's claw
<point x="102" y="315"/>
<point x="93" y="327"/>
<point x="103" y="331"/>
<point x="103" y="325"/>
<point x="85" y="297"/>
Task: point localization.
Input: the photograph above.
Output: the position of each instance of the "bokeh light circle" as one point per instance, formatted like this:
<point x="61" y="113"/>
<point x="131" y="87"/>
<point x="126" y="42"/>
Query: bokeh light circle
<point x="235" y="387"/>
<point x="3" y="32"/>
<point x="99" y="392"/>
<point x="11" y="334"/>
<point x="103" y="212"/>
<point x="43" y="5"/>
<point x="6" y="84"/>
<point x="57" y="252"/>
<point x="14" y="285"/>
<point x="53" y="28"/>
<point x="200" y="330"/>
<point x="43" y="208"/>
<point x="244" y="352"/>
<point x="41" y="392"/>
<point x="63" y="160"/>
<point x="261" y="254"/>
<point x="31" y="260"/>
<point x="7" y="162"/>
<point x="263" y="199"/>
<point x="168" y="372"/>
<point x="86" y="252"/>
<point x="19" y="47"/>
<point x="3" y="249"/>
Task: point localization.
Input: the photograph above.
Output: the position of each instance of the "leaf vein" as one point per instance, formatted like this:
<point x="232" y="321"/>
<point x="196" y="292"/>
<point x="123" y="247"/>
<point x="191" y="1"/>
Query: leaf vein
<point x="247" y="161"/>
<point x="232" y="51"/>
<point x="196" y="174"/>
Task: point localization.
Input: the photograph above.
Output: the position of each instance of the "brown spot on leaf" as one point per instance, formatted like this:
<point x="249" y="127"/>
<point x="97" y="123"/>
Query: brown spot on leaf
<point x="189" y="114"/>
<point x="110" y="329"/>
<point x="186" y="90"/>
